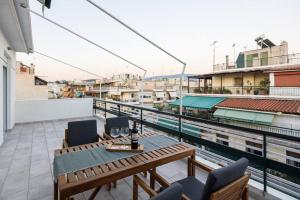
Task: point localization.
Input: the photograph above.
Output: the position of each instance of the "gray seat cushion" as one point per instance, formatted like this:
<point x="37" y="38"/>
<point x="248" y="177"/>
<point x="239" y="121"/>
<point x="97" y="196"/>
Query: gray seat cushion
<point x="116" y="122"/>
<point x="82" y="132"/>
<point x="224" y="176"/>
<point x="173" y="192"/>
<point x="192" y="187"/>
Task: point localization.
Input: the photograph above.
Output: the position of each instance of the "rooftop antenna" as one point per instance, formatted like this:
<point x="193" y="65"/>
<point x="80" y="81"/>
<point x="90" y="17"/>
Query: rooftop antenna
<point x="233" y="46"/>
<point x="214" y="51"/>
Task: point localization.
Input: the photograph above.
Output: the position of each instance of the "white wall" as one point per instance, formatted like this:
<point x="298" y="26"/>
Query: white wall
<point x="8" y="59"/>
<point x="27" y="90"/>
<point x="52" y="109"/>
<point x="287" y="121"/>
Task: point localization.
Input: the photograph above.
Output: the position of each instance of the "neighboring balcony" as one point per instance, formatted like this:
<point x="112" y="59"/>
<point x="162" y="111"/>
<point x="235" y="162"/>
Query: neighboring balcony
<point x="249" y="90"/>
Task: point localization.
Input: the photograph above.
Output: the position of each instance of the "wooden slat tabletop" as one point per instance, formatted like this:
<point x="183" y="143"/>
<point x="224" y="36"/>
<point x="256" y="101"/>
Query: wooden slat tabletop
<point x="82" y="180"/>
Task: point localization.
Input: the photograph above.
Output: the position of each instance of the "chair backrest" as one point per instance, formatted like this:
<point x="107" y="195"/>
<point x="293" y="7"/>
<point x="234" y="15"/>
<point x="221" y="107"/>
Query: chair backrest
<point x="116" y="122"/>
<point x="174" y="192"/>
<point x="222" y="177"/>
<point x="82" y="132"/>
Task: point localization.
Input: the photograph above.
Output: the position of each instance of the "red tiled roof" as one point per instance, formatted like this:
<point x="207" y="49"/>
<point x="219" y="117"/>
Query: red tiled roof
<point x="267" y="105"/>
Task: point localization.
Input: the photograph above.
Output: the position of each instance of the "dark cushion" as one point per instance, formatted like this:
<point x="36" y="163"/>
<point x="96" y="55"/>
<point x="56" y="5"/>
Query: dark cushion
<point x="192" y="187"/>
<point x="82" y="132"/>
<point x="224" y="176"/>
<point x="173" y="192"/>
<point x="116" y="122"/>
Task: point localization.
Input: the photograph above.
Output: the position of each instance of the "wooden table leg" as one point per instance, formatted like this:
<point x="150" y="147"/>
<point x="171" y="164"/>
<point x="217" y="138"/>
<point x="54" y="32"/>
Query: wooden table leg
<point x="55" y="191"/>
<point x="94" y="193"/>
<point x="152" y="180"/>
<point x="191" y="167"/>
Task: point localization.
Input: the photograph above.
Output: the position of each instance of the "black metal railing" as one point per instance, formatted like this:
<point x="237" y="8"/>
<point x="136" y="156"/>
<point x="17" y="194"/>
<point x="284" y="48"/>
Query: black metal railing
<point x="178" y="125"/>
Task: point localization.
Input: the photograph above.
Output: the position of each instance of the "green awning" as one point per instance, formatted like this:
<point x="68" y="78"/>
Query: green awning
<point x="247" y="116"/>
<point x="198" y="102"/>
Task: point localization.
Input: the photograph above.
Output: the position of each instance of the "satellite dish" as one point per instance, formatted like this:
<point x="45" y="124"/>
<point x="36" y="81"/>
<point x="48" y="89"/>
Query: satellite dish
<point x="46" y="3"/>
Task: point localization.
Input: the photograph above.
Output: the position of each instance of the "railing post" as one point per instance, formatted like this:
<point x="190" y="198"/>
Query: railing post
<point x="119" y="110"/>
<point x="265" y="162"/>
<point x="179" y="128"/>
<point x="105" y="109"/>
<point x="141" y="118"/>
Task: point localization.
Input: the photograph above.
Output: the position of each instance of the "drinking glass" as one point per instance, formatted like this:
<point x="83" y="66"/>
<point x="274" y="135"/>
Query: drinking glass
<point x="124" y="131"/>
<point x="114" y="132"/>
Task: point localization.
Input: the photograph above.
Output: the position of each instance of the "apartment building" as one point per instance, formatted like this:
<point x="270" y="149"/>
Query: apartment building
<point x="28" y="85"/>
<point x="123" y="87"/>
<point x="261" y="71"/>
<point x="166" y="89"/>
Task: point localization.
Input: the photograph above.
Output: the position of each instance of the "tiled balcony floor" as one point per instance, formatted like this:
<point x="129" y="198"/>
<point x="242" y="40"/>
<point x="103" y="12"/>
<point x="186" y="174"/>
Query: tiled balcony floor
<point x="26" y="164"/>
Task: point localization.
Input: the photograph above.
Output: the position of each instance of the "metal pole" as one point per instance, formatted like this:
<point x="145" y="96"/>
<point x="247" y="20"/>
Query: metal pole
<point x="142" y="36"/>
<point x="141" y="121"/>
<point x="133" y="30"/>
<point x="265" y="163"/>
<point x="142" y="88"/>
<point x="180" y="93"/>
<point x="82" y="37"/>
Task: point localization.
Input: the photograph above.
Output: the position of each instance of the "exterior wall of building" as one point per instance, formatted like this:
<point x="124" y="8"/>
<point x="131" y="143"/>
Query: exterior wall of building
<point x="287" y="121"/>
<point x="26" y="88"/>
<point x="7" y="60"/>
<point x="274" y="55"/>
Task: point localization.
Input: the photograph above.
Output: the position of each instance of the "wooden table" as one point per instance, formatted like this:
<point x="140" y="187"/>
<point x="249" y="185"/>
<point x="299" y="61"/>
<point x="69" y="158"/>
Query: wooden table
<point x="94" y="177"/>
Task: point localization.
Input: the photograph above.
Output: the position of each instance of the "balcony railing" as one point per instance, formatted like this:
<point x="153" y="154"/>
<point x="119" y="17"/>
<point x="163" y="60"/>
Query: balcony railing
<point x="249" y="90"/>
<point x="265" y="163"/>
<point x="257" y="62"/>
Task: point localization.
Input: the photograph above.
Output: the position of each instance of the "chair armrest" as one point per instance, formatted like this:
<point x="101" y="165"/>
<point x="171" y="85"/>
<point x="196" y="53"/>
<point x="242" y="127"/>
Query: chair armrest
<point x="200" y="165"/>
<point x="107" y="137"/>
<point x="162" y="181"/>
<point x="137" y="181"/>
<point x="100" y="137"/>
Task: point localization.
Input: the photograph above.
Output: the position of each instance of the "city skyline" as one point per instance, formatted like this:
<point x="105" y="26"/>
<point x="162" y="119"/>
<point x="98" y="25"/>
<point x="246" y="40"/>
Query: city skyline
<point x="185" y="34"/>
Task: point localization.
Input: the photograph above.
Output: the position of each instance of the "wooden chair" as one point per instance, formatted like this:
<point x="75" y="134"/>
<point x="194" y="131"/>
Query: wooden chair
<point x="116" y="122"/>
<point x="82" y="132"/>
<point x="174" y="192"/>
<point x="227" y="183"/>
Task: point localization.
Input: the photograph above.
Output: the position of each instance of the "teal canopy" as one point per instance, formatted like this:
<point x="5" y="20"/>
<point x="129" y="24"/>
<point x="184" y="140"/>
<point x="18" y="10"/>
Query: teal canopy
<point x="198" y="102"/>
<point x="247" y="116"/>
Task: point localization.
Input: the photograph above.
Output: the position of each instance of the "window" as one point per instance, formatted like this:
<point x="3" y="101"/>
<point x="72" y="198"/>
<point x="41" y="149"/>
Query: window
<point x="293" y="158"/>
<point x="264" y="58"/>
<point x="257" y="150"/>
<point x="222" y="139"/>
<point x="252" y="60"/>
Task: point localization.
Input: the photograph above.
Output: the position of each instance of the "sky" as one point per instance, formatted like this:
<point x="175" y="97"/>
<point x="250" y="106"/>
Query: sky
<point x="185" y="28"/>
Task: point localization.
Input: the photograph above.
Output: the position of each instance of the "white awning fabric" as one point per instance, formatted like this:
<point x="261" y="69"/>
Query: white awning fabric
<point x="159" y="94"/>
<point x="173" y="94"/>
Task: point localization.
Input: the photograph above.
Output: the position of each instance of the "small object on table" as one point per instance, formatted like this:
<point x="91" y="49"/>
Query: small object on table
<point x="124" y="148"/>
<point x="134" y="137"/>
